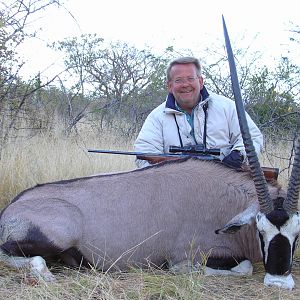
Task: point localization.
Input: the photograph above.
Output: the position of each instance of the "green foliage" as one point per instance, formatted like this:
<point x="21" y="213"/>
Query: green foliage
<point x="273" y="98"/>
<point x="123" y="83"/>
<point x="271" y="94"/>
<point x="115" y="85"/>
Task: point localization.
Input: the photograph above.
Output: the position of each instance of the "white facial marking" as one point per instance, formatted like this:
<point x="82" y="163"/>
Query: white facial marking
<point x="290" y="230"/>
<point x="267" y="230"/>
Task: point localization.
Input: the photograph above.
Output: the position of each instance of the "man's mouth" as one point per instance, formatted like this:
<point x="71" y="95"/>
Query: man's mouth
<point x="186" y="92"/>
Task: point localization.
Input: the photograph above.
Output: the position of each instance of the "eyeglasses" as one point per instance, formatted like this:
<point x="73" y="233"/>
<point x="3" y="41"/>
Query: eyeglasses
<point x="180" y="81"/>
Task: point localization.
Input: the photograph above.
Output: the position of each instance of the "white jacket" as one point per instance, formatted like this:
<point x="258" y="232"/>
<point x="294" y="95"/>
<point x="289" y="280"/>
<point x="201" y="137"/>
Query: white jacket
<point x="160" y="131"/>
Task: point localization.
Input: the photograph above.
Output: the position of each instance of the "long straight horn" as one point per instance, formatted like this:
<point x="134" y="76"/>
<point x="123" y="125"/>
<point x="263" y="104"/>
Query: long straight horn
<point x="266" y="205"/>
<point x="291" y="202"/>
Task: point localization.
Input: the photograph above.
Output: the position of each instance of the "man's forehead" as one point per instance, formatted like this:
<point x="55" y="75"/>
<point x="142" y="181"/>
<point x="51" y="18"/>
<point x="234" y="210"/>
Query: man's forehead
<point x="183" y="68"/>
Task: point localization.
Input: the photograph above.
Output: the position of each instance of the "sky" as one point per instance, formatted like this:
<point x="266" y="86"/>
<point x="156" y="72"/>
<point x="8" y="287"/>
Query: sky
<point x="157" y="24"/>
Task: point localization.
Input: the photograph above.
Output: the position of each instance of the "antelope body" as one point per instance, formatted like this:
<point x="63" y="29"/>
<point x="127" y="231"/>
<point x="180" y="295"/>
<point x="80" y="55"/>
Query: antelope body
<point x="162" y="214"/>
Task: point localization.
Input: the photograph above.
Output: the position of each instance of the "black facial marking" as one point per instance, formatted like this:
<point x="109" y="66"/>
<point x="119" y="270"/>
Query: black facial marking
<point x="278" y="203"/>
<point x="279" y="256"/>
<point x="295" y="244"/>
<point x="278" y="216"/>
<point x="262" y="247"/>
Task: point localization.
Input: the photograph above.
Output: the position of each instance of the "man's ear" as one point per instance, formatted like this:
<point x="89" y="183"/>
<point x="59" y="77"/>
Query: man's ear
<point x="201" y="81"/>
<point x="169" y="86"/>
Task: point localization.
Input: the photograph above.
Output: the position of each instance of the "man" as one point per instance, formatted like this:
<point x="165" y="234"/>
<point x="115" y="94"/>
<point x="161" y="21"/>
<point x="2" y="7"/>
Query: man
<point x="191" y="115"/>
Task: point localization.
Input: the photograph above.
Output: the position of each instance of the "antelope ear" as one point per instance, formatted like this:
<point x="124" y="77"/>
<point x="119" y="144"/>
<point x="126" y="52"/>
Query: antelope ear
<point x="246" y="217"/>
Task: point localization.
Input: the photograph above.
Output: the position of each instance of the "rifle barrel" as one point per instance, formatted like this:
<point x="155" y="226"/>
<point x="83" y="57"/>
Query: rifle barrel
<point x="133" y="153"/>
<point x="206" y="156"/>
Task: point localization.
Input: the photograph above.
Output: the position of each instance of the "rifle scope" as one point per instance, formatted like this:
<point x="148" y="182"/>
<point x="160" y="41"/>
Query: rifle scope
<point x="194" y="149"/>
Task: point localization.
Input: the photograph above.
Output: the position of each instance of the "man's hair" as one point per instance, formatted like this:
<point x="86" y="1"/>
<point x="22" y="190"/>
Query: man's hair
<point x="182" y="61"/>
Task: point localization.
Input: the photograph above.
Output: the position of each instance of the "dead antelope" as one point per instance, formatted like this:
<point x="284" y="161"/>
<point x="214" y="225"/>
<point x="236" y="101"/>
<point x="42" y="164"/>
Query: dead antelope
<point x="146" y="217"/>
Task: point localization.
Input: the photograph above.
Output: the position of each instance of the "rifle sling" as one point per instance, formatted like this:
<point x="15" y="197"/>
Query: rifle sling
<point x="205" y="107"/>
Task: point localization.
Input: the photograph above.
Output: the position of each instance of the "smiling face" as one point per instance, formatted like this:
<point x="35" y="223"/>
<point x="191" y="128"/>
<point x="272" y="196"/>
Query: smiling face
<point x="185" y="84"/>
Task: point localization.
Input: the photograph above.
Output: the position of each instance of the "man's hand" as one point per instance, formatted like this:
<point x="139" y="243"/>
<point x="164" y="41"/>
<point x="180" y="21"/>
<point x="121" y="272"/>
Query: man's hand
<point x="234" y="159"/>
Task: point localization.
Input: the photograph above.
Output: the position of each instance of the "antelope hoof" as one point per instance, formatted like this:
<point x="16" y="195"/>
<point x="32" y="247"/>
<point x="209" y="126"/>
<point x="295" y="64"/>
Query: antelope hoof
<point x="40" y="270"/>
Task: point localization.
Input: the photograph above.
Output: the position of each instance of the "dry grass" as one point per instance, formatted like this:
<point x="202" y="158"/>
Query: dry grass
<point x="278" y="156"/>
<point x="151" y="284"/>
<point x="44" y="159"/>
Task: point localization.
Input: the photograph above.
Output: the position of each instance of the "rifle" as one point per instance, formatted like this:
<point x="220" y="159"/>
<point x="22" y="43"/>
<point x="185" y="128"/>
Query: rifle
<point x="174" y="151"/>
<point x="188" y="151"/>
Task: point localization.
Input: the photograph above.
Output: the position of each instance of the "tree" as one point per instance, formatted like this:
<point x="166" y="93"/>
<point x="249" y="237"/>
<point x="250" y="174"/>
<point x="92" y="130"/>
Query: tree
<point x="271" y="95"/>
<point x="14" y="93"/>
<point x="273" y="99"/>
<point x="115" y="77"/>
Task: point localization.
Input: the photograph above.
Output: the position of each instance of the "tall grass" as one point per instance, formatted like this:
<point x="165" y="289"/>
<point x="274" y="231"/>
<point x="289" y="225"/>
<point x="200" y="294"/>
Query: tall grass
<point x="45" y="158"/>
<point x="278" y="155"/>
<point x="50" y="157"/>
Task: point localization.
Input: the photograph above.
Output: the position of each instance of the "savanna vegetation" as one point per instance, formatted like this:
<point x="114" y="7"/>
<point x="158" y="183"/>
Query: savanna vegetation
<point x="46" y="125"/>
<point x="115" y="85"/>
<point x="45" y="158"/>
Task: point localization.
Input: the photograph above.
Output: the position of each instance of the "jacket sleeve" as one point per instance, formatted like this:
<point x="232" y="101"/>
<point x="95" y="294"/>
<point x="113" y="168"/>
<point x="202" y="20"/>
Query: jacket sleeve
<point x="150" y="138"/>
<point x="236" y="136"/>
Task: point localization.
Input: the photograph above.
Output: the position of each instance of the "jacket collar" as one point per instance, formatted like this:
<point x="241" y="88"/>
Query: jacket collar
<point x="170" y="103"/>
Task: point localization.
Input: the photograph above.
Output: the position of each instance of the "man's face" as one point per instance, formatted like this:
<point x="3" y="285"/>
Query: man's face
<point x="185" y="85"/>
